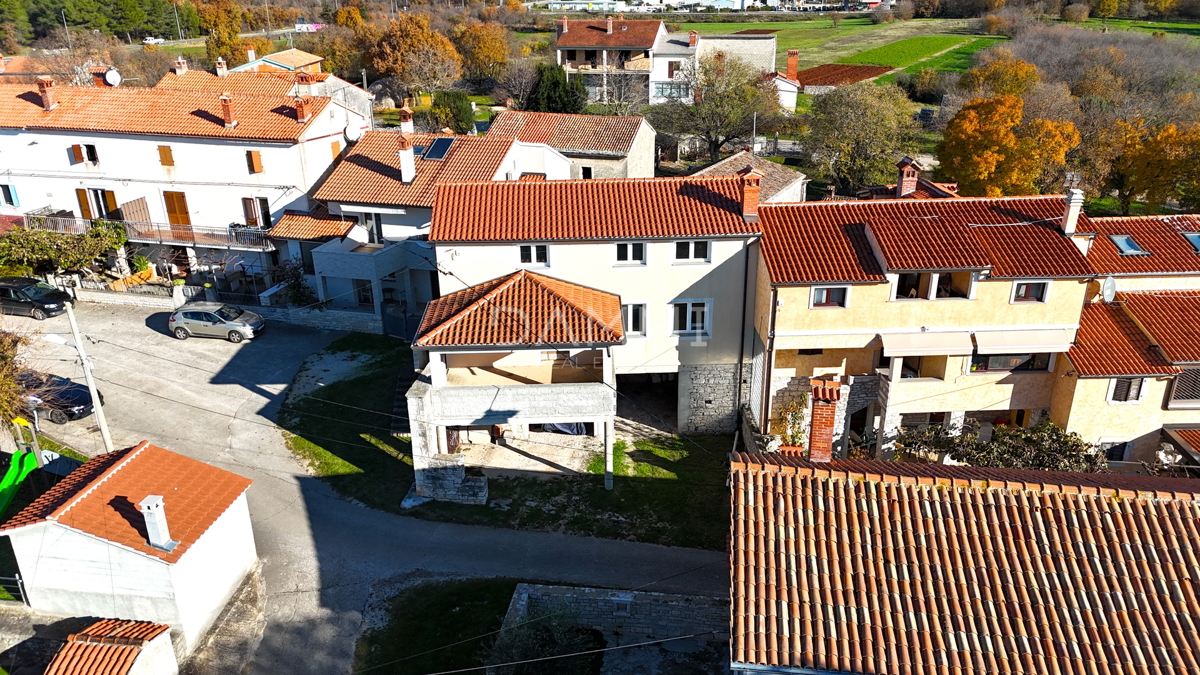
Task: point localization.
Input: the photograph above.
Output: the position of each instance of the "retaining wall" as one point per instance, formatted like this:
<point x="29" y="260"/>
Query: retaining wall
<point x="329" y="319"/>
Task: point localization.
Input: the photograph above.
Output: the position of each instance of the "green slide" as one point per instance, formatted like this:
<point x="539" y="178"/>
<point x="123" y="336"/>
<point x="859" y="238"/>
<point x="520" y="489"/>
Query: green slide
<point x="23" y="463"/>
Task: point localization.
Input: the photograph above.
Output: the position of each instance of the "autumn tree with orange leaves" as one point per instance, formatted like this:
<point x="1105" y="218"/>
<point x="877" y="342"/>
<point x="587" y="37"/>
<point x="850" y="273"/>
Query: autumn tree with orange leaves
<point x="991" y="151"/>
<point x="1156" y="164"/>
<point x="484" y="49"/>
<point x="420" y="58"/>
<point x="1003" y="75"/>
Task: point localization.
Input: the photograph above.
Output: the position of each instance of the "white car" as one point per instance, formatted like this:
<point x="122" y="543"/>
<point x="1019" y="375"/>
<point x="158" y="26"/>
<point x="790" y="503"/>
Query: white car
<point x="148" y="40"/>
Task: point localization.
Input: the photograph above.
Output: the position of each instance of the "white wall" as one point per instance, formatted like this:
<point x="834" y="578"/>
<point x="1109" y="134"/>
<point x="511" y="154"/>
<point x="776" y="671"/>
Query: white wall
<point x="758" y="50"/>
<point x="156" y="658"/>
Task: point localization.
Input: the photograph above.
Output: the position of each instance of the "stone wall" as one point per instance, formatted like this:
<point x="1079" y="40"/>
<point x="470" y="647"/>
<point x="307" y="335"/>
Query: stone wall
<point x="120" y="298"/>
<point x="708" y="398"/>
<point x="443" y="477"/>
<point x="329" y="319"/>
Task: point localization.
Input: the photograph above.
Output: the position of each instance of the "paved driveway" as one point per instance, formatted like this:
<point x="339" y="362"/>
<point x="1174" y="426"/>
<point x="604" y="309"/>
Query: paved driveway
<point x="215" y="401"/>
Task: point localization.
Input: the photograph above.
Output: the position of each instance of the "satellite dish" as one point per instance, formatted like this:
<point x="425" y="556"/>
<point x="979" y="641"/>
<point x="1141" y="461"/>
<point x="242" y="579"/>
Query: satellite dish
<point x="112" y="78"/>
<point x="353" y="133"/>
<point x="1108" y="289"/>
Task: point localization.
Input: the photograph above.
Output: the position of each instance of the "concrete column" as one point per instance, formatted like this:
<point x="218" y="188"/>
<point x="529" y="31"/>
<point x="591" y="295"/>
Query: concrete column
<point x="896" y="366"/>
<point x="604" y="59"/>
<point x="377" y="296"/>
<point x="889" y="427"/>
<point x="437" y="370"/>
<point x="610" y="377"/>
<point x="443" y="441"/>
<point x="610" y="431"/>
<point x="955" y="420"/>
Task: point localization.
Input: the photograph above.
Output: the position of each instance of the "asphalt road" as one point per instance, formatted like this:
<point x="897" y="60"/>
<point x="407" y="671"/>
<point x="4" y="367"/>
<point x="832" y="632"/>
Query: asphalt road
<point x="215" y="401"/>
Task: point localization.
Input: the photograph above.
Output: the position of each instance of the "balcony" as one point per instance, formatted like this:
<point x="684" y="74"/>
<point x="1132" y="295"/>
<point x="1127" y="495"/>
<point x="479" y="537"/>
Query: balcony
<point x="350" y="259"/>
<point x="242" y="238"/>
<point x="617" y="62"/>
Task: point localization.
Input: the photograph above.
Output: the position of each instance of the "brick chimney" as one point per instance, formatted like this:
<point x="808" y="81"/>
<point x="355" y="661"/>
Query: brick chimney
<point x="906" y="181"/>
<point x="751" y="186"/>
<point x="408" y="160"/>
<point x="793" y="64"/>
<point x="250" y="54"/>
<point x="98" y="78"/>
<point x="45" y="85"/>
<point x="180" y="65"/>
<point x="562" y="25"/>
<point x="222" y="69"/>
<point x="406" y="120"/>
<point x="302" y="111"/>
<point x="227" y="110"/>
<point x="825" y="395"/>
<point x="693" y="38"/>
<point x="608" y="24"/>
<point x="1074" y="204"/>
<point x="157" y="532"/>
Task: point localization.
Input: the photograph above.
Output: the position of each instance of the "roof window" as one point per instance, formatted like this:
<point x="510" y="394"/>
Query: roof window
<point x="439" y="148"/>
<point x="1127" y="245"/>
<point x="1193" y="239"/>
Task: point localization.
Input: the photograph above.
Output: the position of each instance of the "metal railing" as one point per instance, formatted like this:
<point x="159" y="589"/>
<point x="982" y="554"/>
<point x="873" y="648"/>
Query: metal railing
<point x="12" y="589"/>
<point x="161" y="233"/>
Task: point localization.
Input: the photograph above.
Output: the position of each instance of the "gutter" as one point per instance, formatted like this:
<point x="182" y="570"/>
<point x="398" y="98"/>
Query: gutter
<point x="737" y="402"/>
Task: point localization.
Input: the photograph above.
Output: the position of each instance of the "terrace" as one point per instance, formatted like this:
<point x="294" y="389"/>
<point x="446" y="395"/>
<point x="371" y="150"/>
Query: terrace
<point x="231" y="237"/>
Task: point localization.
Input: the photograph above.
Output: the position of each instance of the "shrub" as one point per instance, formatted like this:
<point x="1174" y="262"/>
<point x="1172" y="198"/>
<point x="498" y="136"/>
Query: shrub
<point x="1076" y="13"/>
<point x="296" y="290"/>
<point x="904" y="10"/>
<point x="882" y="15"/>
<point x="139" y="263"/>
<point x="454" y="108"/>
<point x="927" y="85"/>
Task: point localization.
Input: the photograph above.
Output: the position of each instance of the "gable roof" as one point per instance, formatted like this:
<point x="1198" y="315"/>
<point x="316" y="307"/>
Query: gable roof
<point x="891" y="567"/>
<point x="776" y="176"/>
<point x="540" y="310"/>
<point x="801" y="249"/>
<point x="1160" y="236"/>
<point x="1109" y="344"/>
<point x="292" y="59"/>
<point x="590" y="209"/>
<point x="628" y="34"/>
<point x="1172" y="319"/>
<point x="100" y="498"/>
<point x="107" y="647"/>
<point x="153" y="111"/>
<point x="605" y="134"/>
<point x="369" y="173"/>
<point x="250" y="83"/>
<point x="317" y="224"/>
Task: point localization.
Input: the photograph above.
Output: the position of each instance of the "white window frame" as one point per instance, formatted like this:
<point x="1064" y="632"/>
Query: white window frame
<point x="1192" y="238"/>
<point x="708" y="311"/>
<point x="533" y="255"/>
<point x="589" y="169"/>
<point x="629" y="332"/>
<point x="691" y="250"/>
<point x="1140" y="250"/>
<point x="631" y="262"/>
<point x="1105" y="440"/>
<point x="8" y="195"/>
<point x="1112" y="387"/>
<point x="1012" y="295"/>
<point x="812" y="297"/>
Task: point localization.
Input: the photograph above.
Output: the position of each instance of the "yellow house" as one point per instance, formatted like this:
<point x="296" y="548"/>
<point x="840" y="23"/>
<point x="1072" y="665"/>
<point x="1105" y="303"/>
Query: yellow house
<point x="924" y="311"/>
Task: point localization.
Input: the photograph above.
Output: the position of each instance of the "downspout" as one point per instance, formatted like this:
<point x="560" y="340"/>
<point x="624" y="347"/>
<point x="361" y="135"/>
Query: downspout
<point x="737" y="402"/>
<point x="769" y="363"/>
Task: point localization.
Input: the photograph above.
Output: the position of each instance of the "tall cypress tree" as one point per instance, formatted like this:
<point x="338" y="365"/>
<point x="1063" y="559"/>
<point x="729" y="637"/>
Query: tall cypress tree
<point x="554" y="93"/>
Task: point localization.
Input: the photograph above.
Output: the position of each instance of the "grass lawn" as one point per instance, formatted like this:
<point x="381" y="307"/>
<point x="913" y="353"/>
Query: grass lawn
<point x="954" y="61"/>
<point x="668" y="492"/>
<point x="1109" y="206"/>
<point x="1175" y="27"/>
<point x="905" y="52"/>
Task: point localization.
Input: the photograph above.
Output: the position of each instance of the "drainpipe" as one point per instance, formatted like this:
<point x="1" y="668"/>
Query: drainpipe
<point x="737" y="401"/>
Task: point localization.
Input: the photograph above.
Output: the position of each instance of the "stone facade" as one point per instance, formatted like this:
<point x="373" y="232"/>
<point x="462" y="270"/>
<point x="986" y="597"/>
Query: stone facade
<point x="708" y="398"/>
<point x="444" y="477"/>
<point x="119" y="298"/>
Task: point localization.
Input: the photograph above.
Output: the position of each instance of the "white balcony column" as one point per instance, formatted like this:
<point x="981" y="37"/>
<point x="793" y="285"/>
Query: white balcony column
<point x="894" y="370"/>
<point x="933" y="283"/>
<point x="955" y="420"/>
<point x="610" y="432"/>
<point x="437" y="370"/>
<point x="889" y="428"/>
<point x="609" y="374"/>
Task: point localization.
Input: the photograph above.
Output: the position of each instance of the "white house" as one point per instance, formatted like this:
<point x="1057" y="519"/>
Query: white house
<point x="115" y="647"/>
<point x="600" y="146"/>
<point x="141" y="534"/>
<point x="674" y="52"/>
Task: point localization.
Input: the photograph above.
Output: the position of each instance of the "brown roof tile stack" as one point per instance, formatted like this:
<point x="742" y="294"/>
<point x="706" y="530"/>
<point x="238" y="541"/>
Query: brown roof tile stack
<point x="1172" y="318"/>
<point x="1160" y="236"/>
<point x="1110" y="344"/>
<point x="886" y="567"/>
<point x="835" y="74"/>
<point x="522" y="309"/>
<point x="609" y="134"/>
<point x="315" y="225"/>
<point x="625" y="34"/>
<point x="107" y="647"/>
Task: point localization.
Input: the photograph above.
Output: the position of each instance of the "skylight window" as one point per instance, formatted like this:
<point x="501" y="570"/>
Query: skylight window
<point x="1193" y="239"/>
<point x="1127" y="245"/>
<point x="437" y="151"/>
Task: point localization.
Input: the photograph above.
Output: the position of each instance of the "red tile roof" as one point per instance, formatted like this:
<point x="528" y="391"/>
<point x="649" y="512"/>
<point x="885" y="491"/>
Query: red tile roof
<point x="590" y="209"/>
<point x="1190" y="436"/>
<point x="107" y="647"/>
<point x="100" y="498"/>
<point x="292" y="58"/>
<point x="253" y="84"/>
<point x="926" y="189"/>
<point x="522" y="309"/>
<point x="800" y="249"/>
<point x="625" y="34"/>
<point x="370" y="172"/>
<point x="1172" y="318"/>
<point x="314" y="225"/>
<point x="1109" y="344"/>
<point x="1032" y="250"/>
<point x="115" y="630"/>
<point x="926" y="240"/>
<point x="834" y="74"/>
<point x="1170" y="252"/>
<point x="606" y="134"/>
<point x="130" y="110"/>
<point x="776" y="176"/>
<point x="889" y="567"/>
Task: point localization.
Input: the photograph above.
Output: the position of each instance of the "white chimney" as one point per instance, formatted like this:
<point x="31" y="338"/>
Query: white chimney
<point x="157" y="532"/>
<point x="222" y="69"/>
<point x="406" y="120"/>
<point x="1074" y="204"/>
<point x="181" y="66"/>
<point x="408" y="160"/>
<point x="250" y="55"/>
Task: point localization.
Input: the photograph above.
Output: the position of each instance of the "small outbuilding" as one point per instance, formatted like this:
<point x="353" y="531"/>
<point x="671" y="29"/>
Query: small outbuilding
<point x="114" y="647"/>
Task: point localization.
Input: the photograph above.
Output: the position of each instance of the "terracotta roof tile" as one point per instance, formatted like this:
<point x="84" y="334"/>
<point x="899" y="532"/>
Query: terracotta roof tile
<point x="607" y="134"/>
<point x="800" y="247"/>
<point x="131" y="110"/>
<point x="1032" y="250"/>
<point x="100" y="498"/>
<point x="522" y="309"/>
<point x="370" y="172"/>
<point x="1172" y="318"/>
<point x="888" y="567"/>
<point x="292" y="58"/>
<point x="926" y="189"/>
<point x="115" y="630"/>
<point x="107" y="647"/>
<point x="776" y="176"/>
<point x="627" y="34"/>
<point x="253" y="84"/>
<point x="589" y="209"/>
<point x="1160" y="236"/>
<point x="1110" y="344"/>
<point x="1190" y="436"/>
<point x="314" y="225"/>
<point x="835" y="74"/>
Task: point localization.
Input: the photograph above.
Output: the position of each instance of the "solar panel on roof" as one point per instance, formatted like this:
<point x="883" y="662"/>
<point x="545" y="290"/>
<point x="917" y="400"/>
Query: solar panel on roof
<point x="439" y="148"/>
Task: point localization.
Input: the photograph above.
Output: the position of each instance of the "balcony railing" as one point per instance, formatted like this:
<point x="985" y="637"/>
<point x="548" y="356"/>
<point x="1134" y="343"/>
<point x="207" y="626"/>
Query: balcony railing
<point x="162" y="233"/>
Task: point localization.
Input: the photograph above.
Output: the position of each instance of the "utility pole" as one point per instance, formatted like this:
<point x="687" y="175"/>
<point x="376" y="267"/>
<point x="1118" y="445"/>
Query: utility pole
<point x="91" y="383"/>
<point x="67" y="31"/>
<point x="267" y="6"/>
<point x="178" y="29"/>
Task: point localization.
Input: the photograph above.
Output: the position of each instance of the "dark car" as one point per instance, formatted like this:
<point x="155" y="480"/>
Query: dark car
<point x="58" y="398"/>
<point x="27" y="296"/>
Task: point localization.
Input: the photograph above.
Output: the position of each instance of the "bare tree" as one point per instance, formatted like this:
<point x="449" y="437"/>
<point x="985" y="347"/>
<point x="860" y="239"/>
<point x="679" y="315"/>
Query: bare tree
<point x="519" y="79"/>
<point x="625" y="95"/>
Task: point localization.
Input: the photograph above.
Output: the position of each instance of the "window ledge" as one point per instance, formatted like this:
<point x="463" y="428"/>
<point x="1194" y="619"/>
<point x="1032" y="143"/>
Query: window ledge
<point x="1183" y="405"/>
<point x="692" y="262"/>
<point x="1013" y="372"/>
<point x="1112" y="402"/>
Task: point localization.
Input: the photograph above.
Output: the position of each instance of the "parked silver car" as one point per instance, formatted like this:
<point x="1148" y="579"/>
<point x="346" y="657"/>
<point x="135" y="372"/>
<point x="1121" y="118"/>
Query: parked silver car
<point x="215" y="319"/>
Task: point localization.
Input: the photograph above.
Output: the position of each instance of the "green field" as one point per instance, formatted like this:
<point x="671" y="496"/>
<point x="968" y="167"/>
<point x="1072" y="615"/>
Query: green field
<point x="1177" y="27"/>
<point x="955" y="61"/>
<point x="906" y="52"/>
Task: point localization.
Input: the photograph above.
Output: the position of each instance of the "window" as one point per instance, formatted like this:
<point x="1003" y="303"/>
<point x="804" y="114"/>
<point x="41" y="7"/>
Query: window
<point x="362" y="292"/>
<point x="177" y="208"/>
<point x="809" y="352"/>
<point x="254" y="161"/>
<point x="1030" y="291"/>
<point x="631" y="254"/>
<point x="690" y="317"/>
<point x="633" y="317"/>
<point x="9" y="194"/>
<point x="570" y="54"/>
<point x="585" y="172"/>
<point x="830" y="296"/>
<point x="1193" y="239"/>
<point x="982" y="363"/>
<point x="257" y="211"/>
<point x="535" y="254"/>
<point x="691" y="251"/>
<point x="165" y="156"/>
<point x="84" y="153"/>
<point x="1115" y="452"/>
<point x="1126" y="245"/>
<point x="96" y="203"/>
<point x="672" y="68"/>
<point x="1185" y="392"/>
<point x="913" y="286"/>
<point x="589" y="55"/>
<point x="306" y="256"/>
<point x="1125" y="389"/>
<point x="671" y="90"/>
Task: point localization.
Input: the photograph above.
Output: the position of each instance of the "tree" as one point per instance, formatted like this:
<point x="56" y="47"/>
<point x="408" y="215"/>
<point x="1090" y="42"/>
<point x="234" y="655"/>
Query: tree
<point x="46" y="251"/>
<point x="223" y="21"/>
<point x="1043" y="446"/>
<point x="624" y="95"/>
<point x="453" y="109"/>
<point x="553" y="93"/>
<point x="15" y="21"/>
<point x="341" y="47"/>
<point x="348" y="17"/>
<point x="1003" y="75"/>
<point x="990" y="152"/>
<point x="1105" y="9"/>
<point x="1155" y="163"/>
<point x="484" y="49"/>
<point x="717" y="101"/>
<point x="858" y="132"/>
<point x="520" y="77"/>
<point x="296" y="291"/>
<point x="420" y="58"/>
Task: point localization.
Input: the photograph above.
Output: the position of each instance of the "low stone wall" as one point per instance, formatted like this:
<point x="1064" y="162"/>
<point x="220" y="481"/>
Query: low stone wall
<point x="329" y="319"/>
<point x="443" y="477"/>
<point x="708" y="398"/>
<point x="124" y="298"/>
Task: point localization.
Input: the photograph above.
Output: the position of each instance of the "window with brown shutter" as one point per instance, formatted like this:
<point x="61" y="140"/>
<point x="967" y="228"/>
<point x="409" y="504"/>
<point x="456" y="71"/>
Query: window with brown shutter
<point x="165" y="157"/>
<point x="336" y="146"/>
<point x="76" y="154"/>
<point x="85" y="205"/>
<point x="254" y="161"/>
<point x="250" y="211"/>
<point x="177" y="208"/>
<point x="110" y="204"/>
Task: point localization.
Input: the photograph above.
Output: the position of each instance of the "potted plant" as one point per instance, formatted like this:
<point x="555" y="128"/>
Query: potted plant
<point x="790" y="426"/>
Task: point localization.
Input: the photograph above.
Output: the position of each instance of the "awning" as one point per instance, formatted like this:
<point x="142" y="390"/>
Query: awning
<point x="927" y="344"/>
<point x="1024" y="341"/>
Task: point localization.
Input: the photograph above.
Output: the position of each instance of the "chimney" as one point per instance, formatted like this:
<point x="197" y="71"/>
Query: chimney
<point x="825" y="395"/>
<point x="1074" y="204"/>
<point x="222" y="69"/>
<point x="98" y="78"/>
<point x="608" y="25"/>
<point x="302" y="111"/>
<point x="562" y="25"/>
<point x="181" y="65"/>
<point x="408" y="161"/>
<point x="406" y="120"/>
<point x="751" y="185"/>
<point x="693" y="38"/>
<point x="45" y="85"/>
<point x="250" y="55"/>
<point x="227" y="110"/>
<point x="793" y="64"/>
<point x="157" y="532"/>
<point x="906" y="181"/>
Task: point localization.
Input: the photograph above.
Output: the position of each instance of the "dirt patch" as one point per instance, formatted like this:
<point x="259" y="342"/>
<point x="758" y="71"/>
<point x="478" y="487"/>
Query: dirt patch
<point x="324" y="368"/>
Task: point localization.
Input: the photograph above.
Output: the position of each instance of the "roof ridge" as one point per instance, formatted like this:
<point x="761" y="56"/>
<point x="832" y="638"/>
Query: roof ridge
<point x="600" y="181"/>
<point x="486" y="297"/>
<point x="594" y="321"/>
<point x="98" y="481"/>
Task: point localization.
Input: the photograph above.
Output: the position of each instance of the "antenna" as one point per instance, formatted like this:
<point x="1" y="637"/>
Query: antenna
<point x="353" y="133"/>
<point x="112" y="78"/>
<point x="1108" y="289"/>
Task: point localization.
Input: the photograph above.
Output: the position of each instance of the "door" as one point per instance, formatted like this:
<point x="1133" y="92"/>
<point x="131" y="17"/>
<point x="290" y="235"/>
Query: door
<point x="200" y="323"/>
<point x="177" y="208"/>
<point x="9" y="303"/>
<point x="212" y="324"/>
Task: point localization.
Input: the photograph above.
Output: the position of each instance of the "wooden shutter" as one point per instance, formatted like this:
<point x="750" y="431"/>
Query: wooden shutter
<point x="177" y="209"/>
<point x="77" y="154"/>
<point x="110" y="204"/>
<point x="250" y="210"/>
<point x="671" y="69"/>
<point x="165" y="157"/>
<point x="1121" y="389"/>
<point x="254" y="161"/>
<point x="336" y="146"/>
<point x="85" y="206"/>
